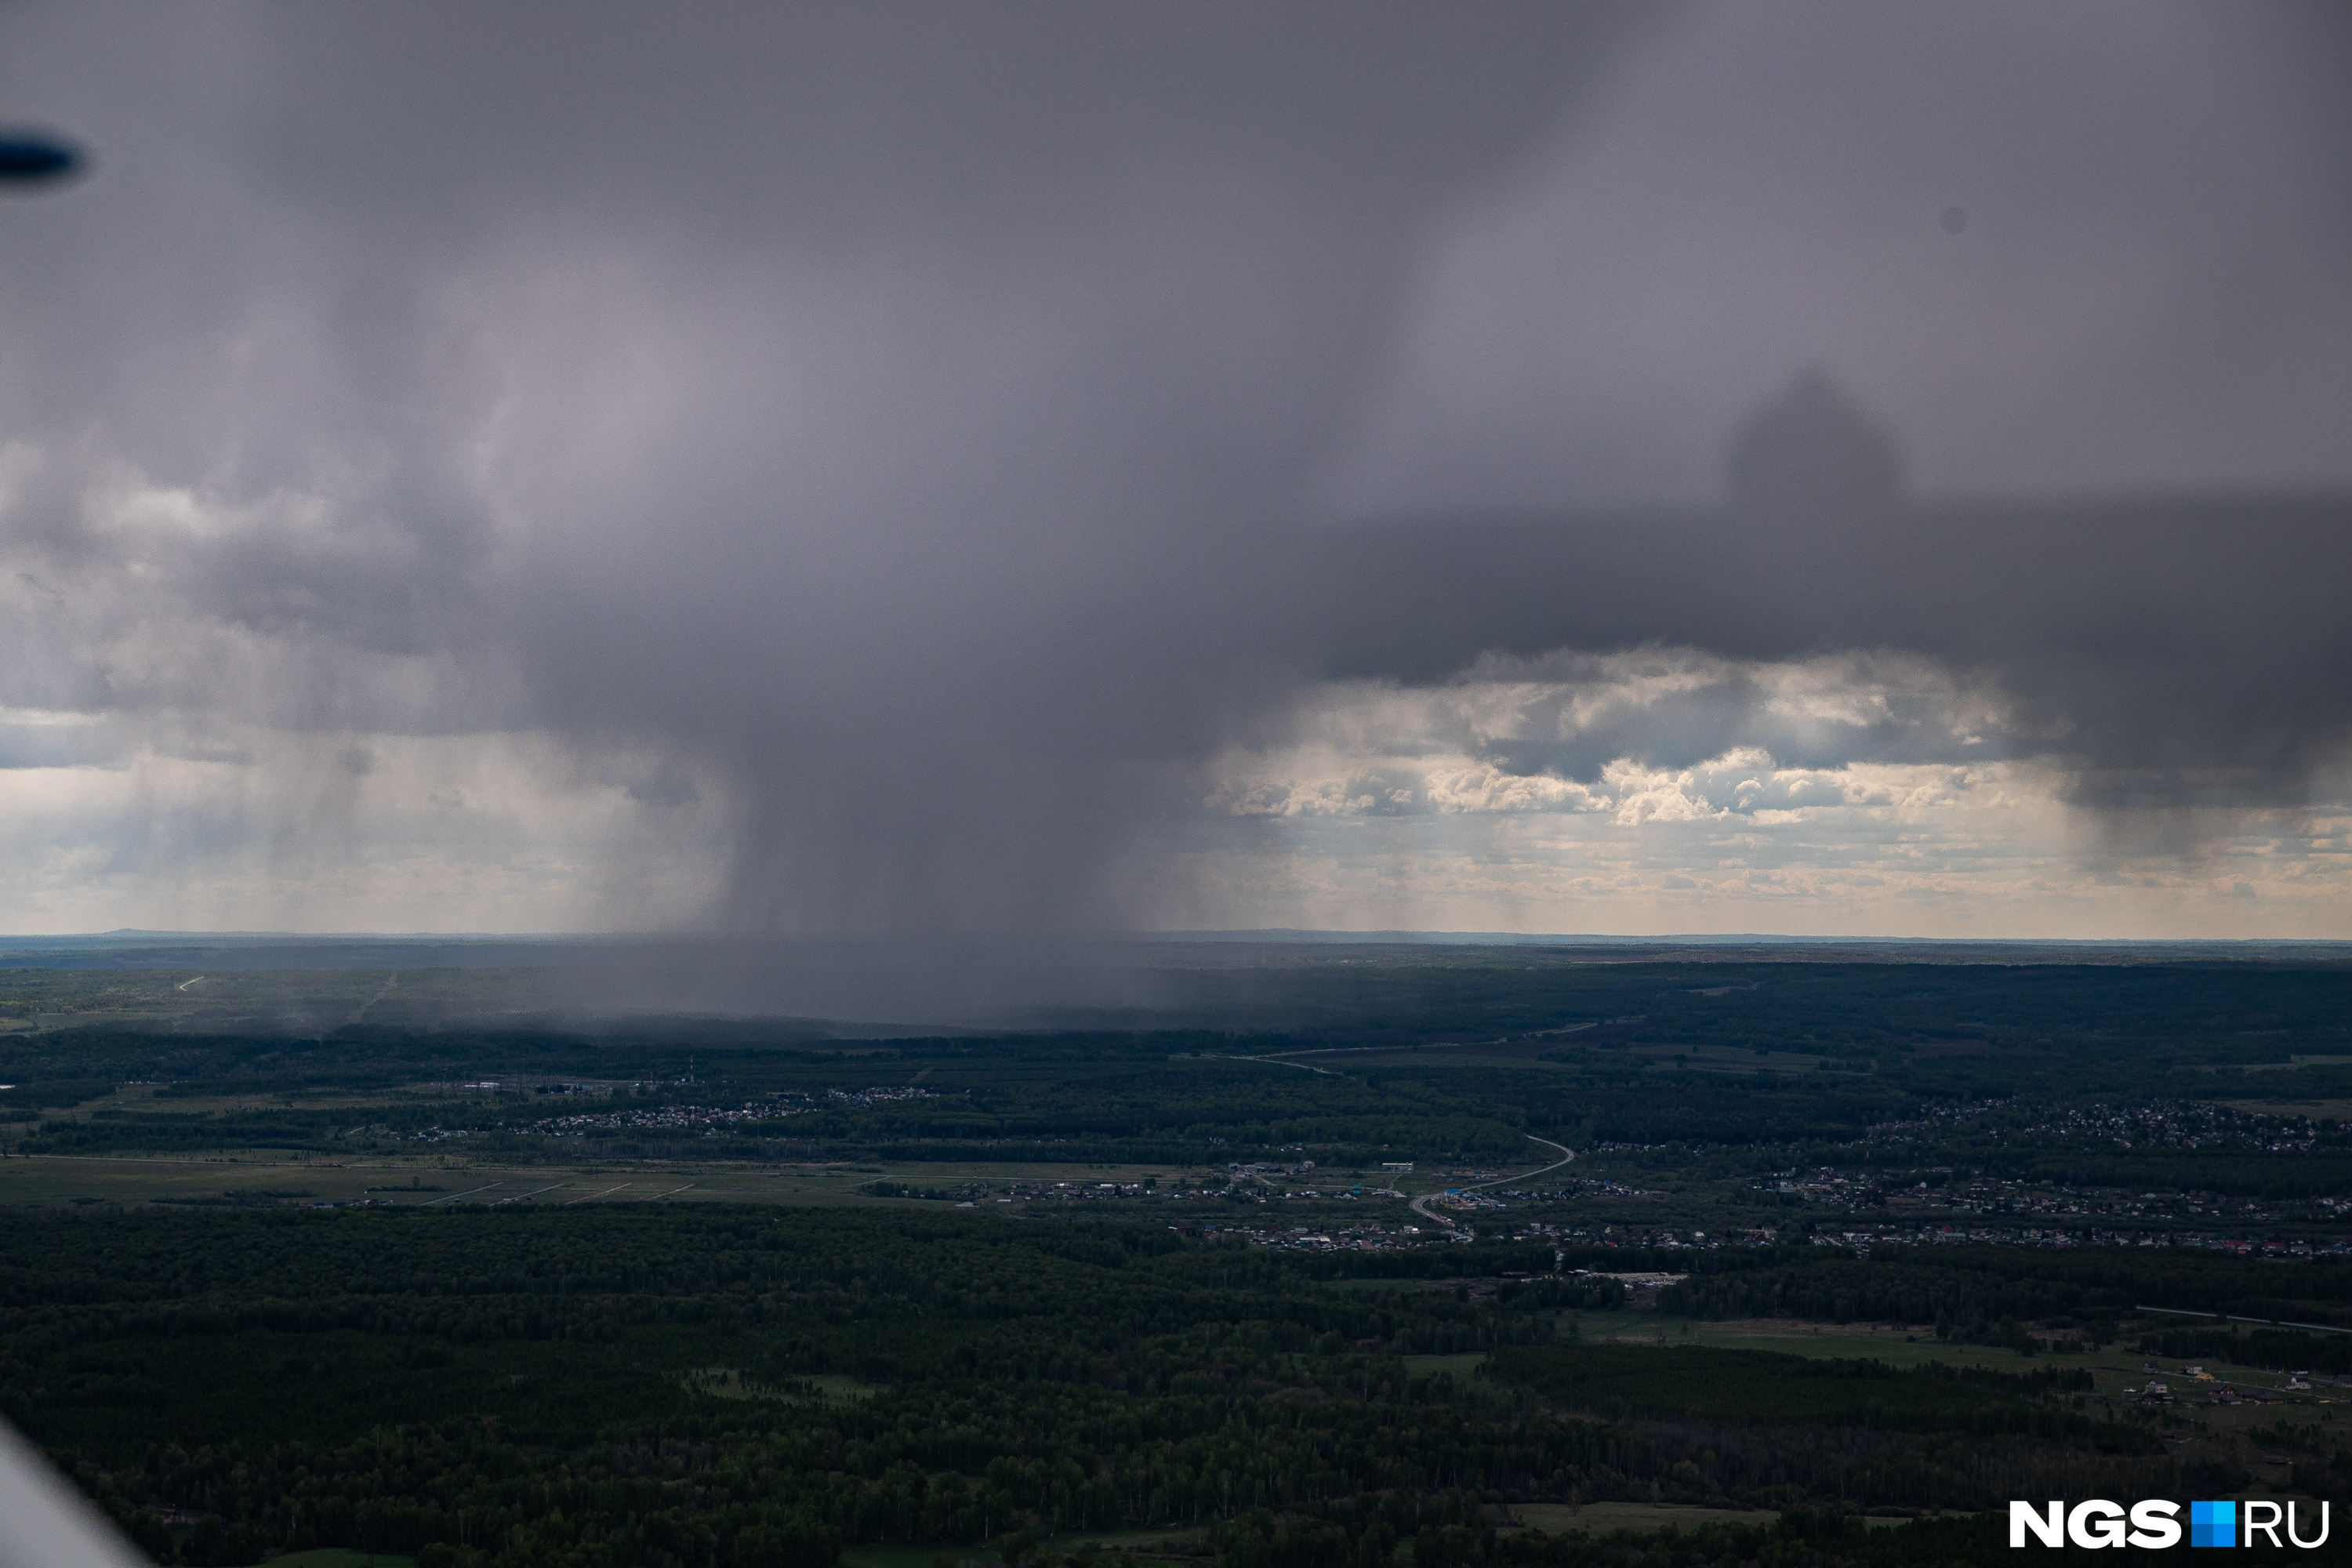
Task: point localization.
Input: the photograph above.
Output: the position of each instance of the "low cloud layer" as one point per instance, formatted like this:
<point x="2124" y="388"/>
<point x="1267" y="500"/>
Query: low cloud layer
<point x="808" y="468"/>
<point x="1911" y="808"/>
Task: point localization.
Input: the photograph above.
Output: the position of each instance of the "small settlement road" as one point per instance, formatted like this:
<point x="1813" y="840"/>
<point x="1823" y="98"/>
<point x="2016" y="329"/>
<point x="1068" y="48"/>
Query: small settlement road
<point x="1421" y="1204"/>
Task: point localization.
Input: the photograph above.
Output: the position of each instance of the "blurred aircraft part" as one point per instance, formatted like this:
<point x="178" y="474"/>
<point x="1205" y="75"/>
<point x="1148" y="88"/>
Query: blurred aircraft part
<point x="37" y="158"/>
<point x="43" y="1525"/>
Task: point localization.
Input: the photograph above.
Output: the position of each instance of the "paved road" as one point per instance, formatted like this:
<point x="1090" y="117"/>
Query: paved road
<point x="1420" y="1205"/>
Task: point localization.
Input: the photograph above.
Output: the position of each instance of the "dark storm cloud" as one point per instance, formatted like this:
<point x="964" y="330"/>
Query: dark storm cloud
<point x="884" y="406"/>
<point x="908" y="416"/>
<point x="2141" y="326"/>
<point x="2168" y="652"/>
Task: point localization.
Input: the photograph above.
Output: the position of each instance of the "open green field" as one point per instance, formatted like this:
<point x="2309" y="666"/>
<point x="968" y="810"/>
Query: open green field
<point x="729" y="1383"/>
<point x="1600" y="1518"/>
<point x="1137" y="1548"/>
<point x="1737" y="1059"/>
<point x="260" y="1177"/>
<point x="901" y="1555"/>
<point x="2115" y="1370"/>
<point x="1898" y="1346"/>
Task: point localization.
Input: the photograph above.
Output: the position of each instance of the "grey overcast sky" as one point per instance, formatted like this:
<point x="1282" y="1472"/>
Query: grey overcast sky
<point x="1072" y="466"/>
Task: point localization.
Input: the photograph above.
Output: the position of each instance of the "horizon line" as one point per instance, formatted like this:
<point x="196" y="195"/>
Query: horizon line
<point x="1226" y="933"/>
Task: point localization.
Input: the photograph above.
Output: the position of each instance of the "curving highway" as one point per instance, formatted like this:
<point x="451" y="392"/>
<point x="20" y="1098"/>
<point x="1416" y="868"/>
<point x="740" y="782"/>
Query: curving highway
<point x="1421" y="1204"/>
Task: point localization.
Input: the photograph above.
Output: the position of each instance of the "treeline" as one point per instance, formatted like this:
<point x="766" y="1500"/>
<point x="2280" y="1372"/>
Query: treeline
<point x="1964" y="1289"/>
<point x="2245" y="1172"/>
<point x="1134" y="1101"/>
<point x="1448" y="1262"/>
<point x="2040" y="1026"/>
<point x="2280" y="1350"/>
<point x="1763" y="1386"/>
<point x="1180" y="1096"/>
<point x="1800" y="1538"/>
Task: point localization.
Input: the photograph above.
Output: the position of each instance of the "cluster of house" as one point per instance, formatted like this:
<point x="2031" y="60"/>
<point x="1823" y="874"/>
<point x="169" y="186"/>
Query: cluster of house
<point x="2158" y="1392"/>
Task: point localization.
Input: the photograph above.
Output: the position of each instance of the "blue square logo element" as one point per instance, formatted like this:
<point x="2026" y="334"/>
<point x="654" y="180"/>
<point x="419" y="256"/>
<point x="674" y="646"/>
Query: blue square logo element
<point x="2212" y="1525"/>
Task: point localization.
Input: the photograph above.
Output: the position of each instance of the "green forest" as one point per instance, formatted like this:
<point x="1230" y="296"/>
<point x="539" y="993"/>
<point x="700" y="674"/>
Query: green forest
<point x="1499" y="1260"/>
<point x="524" y="1387"/>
